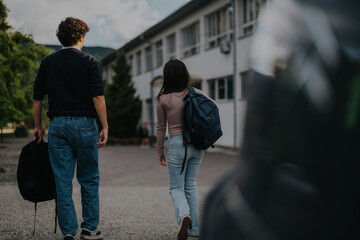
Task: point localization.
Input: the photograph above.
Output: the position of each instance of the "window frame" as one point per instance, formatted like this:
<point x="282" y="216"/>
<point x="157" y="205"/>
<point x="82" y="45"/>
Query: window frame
<point x="159" y="53"/>
<point x="214" y="35"/>
<point x="171" y="54"/>
<point x="251" y="15"/>
<point x="216" y="95"/>
<point x="148" y="58"/>
<point x="191" y="49"/>
<point x="138" y="62"/>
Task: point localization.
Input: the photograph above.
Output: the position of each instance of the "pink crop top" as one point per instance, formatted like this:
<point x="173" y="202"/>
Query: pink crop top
<point x="169" y="107"/>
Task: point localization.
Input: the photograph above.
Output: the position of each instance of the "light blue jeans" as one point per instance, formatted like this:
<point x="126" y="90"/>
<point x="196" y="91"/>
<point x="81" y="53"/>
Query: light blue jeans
<point x="183" y="186"/>
<point x="72" y="140"/>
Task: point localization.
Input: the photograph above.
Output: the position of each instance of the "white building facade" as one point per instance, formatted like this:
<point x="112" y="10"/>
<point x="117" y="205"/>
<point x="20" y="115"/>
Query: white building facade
<point x="202" y="34"/>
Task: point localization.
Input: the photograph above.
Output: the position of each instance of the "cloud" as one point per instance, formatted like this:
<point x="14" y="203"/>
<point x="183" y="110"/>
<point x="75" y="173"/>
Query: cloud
<point x="111" y="22"/>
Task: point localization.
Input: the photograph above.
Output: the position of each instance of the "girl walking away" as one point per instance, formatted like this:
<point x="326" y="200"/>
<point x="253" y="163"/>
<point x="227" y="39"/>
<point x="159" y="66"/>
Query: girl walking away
<point x="169" y="108"/>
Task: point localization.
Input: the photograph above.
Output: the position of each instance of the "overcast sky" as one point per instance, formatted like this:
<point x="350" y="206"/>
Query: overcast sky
<point x="112" y="22"/>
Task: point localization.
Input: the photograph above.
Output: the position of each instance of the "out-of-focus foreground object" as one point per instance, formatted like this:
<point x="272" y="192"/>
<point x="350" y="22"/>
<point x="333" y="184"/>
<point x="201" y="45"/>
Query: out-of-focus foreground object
<point x="299" y="171"/>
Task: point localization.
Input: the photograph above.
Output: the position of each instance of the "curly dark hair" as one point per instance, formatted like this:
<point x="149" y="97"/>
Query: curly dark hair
<point x="71" y="30"/>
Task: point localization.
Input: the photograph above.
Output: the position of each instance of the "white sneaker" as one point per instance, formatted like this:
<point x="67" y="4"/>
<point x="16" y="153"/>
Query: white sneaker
<point x="91" y="235"/>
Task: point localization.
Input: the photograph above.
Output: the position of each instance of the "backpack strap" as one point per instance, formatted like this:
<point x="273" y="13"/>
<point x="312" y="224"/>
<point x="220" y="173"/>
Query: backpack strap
<point x="184" y="161"/>
<point x="35" y="219"/>
<point x="55" y="217"/>
<point x="56" y="213"/>
<point x="185" y="128"/>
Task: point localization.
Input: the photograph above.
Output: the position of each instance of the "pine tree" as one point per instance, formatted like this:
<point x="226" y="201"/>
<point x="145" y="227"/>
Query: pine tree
<point x="4" y="26"/>
<point x="123" y="106"/>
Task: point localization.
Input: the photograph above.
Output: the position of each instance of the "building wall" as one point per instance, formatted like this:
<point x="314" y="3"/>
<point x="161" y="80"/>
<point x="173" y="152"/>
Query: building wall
<point x="208" y="64"/>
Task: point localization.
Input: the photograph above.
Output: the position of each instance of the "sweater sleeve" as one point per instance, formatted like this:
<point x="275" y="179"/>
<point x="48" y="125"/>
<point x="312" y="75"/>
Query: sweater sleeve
<point x="96" y="84"/>
<point x="160" y="127"/>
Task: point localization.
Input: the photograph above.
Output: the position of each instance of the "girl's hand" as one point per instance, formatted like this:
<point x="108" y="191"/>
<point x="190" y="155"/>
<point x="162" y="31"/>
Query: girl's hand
<point x="162" y="159"/>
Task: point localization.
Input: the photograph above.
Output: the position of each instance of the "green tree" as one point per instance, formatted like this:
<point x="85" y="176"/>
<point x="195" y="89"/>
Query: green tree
<point x="3" y="16"/>
<point x="123" y="106"/>
<point x="19" y="61"/>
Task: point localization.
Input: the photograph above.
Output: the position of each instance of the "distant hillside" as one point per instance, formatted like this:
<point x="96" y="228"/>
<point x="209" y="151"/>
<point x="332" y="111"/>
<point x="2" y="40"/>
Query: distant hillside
<point x="98" y="52"/>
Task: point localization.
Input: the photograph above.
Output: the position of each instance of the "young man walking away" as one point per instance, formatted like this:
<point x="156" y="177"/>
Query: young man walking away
<point x="72" y="81"/>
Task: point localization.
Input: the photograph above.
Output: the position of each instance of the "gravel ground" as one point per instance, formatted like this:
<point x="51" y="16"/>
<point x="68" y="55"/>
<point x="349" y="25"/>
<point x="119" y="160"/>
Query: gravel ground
<point x="134" y="196"/>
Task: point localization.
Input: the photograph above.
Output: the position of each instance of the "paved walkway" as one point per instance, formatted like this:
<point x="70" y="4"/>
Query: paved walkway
<point x="134" y="198"/>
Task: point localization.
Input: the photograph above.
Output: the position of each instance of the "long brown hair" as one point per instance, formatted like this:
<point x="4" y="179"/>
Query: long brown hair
<point x="176" y="77"/>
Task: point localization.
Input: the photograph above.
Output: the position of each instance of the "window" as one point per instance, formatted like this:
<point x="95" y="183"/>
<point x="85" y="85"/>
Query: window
<point x="212" y="89"/>
<point x="159" y="53"/>
<point x="191" y="40"/>
<point x="245" y="83"/>
<point x="230" y="88"/>
<point x="219" y="26"/>
<point x="171" y="46"/>
<point x="130" y="62"/>
<point x="251" y="14"/>
<point x="221" y="88"/>
<point x="138" y="62"/>
<point x="148" y="58"/>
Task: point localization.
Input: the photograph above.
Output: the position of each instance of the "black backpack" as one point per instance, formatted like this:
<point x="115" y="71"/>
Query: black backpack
<point x="201" y="122"/>
<point x="35" y="176"/>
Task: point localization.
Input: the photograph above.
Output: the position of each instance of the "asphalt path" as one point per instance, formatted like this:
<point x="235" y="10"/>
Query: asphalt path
<point x="134" y="194"/>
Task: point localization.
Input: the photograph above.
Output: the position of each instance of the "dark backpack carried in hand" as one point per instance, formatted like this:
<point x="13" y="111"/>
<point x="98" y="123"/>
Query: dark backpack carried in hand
<point x="35" y="176"/>
<point x="201" y="122"/>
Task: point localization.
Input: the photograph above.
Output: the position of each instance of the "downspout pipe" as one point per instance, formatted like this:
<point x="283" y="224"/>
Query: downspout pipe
<point x="233" y="3"/>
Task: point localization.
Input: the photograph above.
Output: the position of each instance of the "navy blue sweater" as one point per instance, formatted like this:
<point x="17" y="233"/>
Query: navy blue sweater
<point x="70" y="78"/>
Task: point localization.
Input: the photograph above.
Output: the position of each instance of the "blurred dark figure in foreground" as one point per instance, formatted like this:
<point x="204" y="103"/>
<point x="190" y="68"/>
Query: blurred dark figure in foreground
<point x="299" y="174"/>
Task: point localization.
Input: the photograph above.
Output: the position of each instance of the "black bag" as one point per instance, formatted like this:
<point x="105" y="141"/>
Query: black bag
<point x="201" y="122"/>
<point x="35" y="176"/>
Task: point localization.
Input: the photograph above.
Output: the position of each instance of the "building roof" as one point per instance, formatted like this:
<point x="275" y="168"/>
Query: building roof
<point x="182" y="12"/>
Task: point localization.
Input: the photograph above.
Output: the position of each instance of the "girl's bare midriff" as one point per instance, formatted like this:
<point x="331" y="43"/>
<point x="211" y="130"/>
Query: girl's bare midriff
<point x="175" y="132"/>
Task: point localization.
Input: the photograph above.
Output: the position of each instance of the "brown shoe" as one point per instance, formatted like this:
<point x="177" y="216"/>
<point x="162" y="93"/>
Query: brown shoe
<point x="184" y="225"/>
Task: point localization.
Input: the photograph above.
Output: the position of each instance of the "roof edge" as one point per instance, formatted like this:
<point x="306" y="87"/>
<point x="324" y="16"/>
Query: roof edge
<point x="186" y="9"/>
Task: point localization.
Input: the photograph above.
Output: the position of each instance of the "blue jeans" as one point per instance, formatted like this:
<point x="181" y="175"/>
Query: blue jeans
<point x="183" y="186"/>
<point x="72" y="140"/>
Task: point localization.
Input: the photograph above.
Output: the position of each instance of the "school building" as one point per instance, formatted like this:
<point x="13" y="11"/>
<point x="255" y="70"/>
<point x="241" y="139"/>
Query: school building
<point x="212" y="37"/>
